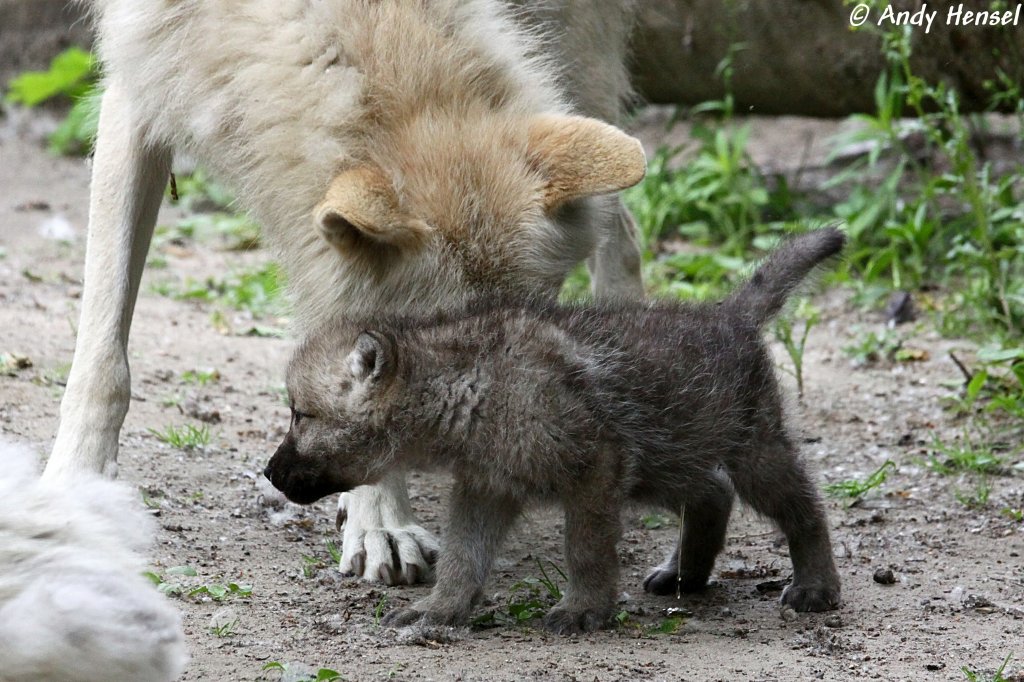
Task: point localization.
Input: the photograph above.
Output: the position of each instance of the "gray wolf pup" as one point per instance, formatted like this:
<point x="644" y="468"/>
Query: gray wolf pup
<point x="400" y="155"/>
<point x="670" y="404"/>
<point x="73" y="605"/>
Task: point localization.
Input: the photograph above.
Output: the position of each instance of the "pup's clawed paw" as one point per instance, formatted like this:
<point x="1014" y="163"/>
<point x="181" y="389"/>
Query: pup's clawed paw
<point x="811" y="597"/>
<point x="572" y="621"/>
<point x="400" y="618"/>
<point x="665" y="581"/>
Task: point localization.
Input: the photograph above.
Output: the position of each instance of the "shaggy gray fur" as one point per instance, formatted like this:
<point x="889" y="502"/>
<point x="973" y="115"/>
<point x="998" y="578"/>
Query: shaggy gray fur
<point x="591" y="406"/>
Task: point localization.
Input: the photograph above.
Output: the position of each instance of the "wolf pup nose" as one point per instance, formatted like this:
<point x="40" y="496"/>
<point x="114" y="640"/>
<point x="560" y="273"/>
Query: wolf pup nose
<point x="667" y="404"/>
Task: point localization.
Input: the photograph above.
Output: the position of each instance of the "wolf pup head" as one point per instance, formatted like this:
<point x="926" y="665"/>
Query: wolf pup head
<point x="339" y="401"/>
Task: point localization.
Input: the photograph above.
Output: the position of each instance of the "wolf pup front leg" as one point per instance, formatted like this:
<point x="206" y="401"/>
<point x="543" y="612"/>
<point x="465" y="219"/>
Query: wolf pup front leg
<point x="592" y="530"/>
<point x="478" y="523"/>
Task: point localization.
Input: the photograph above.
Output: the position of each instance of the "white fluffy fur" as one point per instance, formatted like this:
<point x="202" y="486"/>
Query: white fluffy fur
<point x="73" y="604"/>
<point x="273" y="95"/>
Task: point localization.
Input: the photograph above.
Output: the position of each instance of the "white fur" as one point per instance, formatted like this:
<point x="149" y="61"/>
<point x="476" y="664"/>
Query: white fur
<point x="277" y="96"/>
<point x="74" y="606"/>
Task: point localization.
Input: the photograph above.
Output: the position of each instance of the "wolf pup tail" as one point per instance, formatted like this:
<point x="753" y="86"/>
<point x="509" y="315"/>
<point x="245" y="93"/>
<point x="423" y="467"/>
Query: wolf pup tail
<point x="764" y="294"/>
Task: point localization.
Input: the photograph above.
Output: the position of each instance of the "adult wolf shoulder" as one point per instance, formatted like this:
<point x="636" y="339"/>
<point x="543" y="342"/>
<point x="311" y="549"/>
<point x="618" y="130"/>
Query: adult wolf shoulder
<point x="400" y="155"/>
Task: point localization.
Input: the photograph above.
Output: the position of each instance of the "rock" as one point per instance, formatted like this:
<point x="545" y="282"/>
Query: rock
<point x="884" y="576"/>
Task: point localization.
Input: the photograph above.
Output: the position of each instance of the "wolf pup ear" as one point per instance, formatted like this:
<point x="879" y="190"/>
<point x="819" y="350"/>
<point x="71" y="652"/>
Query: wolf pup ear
<point x="361" y="214"/>
<point x="372" y="357"/>
<point x="582" y="157"/>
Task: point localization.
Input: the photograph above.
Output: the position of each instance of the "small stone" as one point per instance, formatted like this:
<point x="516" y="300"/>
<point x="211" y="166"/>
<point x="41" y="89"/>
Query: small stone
<point x="834" y="621"/>
<point x="884" y="576"/>
<point x="788" y="614"/>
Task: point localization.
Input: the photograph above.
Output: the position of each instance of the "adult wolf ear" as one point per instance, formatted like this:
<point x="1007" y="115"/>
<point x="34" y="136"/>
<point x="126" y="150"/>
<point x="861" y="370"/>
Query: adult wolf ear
<point x="360" y="214"/>
<point x="582" y="157"/>
<point x="372" y="358"/>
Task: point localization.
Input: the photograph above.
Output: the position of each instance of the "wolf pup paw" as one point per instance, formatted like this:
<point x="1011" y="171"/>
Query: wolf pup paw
<point x="811" y="597"/>
<point x="573" y="621"/>
<point x="665" y="581"/>
<point x="400" y="618"/>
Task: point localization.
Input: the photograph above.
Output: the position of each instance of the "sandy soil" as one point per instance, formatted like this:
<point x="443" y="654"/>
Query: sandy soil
<point x="957" y="600"/>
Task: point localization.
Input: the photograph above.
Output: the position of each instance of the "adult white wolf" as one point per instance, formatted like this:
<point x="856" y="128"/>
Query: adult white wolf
<point x="399" y="154"/>
<point x="73" y="606"/>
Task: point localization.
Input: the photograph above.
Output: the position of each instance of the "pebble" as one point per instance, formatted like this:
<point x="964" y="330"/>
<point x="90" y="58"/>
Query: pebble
<point x="884" y="576"/>
<point x="834" y="621"/>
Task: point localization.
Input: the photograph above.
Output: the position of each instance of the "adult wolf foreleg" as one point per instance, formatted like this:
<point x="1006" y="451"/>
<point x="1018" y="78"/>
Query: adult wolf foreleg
<point x="128" y="179"/>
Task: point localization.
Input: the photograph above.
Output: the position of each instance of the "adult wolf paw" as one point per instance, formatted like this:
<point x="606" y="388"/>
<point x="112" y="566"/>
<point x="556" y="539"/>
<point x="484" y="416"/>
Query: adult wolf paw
<point x="384" y="544"/>
<point x="564" y="621"/>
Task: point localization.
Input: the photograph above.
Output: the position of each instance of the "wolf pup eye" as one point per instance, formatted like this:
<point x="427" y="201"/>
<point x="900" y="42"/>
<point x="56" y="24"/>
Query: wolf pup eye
<point x="299" y="416"/>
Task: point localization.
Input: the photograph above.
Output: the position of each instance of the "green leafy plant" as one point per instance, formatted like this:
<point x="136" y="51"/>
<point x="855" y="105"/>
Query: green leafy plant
<point x="219" y="592"/>
<point x="794" y="344"/>
<point x="333" y="551"/>
<point x="321" y="675"/>
<point x="215" y="591"/>
<point x="256" y="291"/>
<point x="872" y="347"/>
<point x="977" y="497"/>
<point x="72" y="76"/>
<point x="655" y="520"/>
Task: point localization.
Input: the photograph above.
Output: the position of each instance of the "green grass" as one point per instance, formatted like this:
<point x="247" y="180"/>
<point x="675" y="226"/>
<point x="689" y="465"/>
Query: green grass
<point x="185" y="437"/>
<point x="975" y="676"/>
<point x="378" y="609"/>
<point x="200" y="377"/>
<point x="226" y="629"/>
<point x="855" y="489"/>
<point x="530" y="598"/>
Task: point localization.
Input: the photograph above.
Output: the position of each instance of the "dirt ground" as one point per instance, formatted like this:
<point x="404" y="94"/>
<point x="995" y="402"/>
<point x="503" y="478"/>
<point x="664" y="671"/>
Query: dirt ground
<point x="957" y="599"/>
